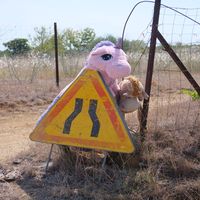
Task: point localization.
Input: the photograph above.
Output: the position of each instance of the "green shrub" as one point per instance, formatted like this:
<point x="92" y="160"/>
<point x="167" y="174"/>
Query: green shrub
<point x="191" y="93"/>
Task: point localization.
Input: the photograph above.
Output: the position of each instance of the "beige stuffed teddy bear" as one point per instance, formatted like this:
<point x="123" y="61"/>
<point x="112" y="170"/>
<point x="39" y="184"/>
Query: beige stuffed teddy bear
<point x="131" y="94"/>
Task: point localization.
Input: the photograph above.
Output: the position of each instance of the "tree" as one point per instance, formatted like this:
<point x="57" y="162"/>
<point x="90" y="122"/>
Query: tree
<point x="74" y="40"/>
<point x="87" y="36"/>
<point x="17" y="46"/>
<point x="70" y="39"/>
<point x="42" y="39"/>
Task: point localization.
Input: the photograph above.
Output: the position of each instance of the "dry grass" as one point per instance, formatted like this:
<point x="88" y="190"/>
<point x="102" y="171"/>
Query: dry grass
<point x="168" y="168"/>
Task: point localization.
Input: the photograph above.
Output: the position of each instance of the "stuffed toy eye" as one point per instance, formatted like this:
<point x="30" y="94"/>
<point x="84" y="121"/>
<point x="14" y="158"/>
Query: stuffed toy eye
<point x="106" y="57"/>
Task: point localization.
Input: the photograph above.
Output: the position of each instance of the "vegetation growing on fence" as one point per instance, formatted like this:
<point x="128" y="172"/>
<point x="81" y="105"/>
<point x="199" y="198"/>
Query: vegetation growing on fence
<point x="191" y="93"/>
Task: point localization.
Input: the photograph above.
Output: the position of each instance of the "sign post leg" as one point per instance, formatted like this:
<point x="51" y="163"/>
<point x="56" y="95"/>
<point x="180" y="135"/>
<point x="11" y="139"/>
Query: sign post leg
<point x="49" y="158"/>
<point x="104" y="159"/>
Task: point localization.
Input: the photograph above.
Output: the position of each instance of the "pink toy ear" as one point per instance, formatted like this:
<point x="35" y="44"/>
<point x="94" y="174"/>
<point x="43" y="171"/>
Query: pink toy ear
<point x="99" y="51"/>
<point x="119" y="43"/>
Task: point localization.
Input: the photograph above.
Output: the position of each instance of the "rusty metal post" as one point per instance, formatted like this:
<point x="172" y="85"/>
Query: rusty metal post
<point x="150" y="67"/>
<point x="178" y="62"/>
<point x="56" y="53"/>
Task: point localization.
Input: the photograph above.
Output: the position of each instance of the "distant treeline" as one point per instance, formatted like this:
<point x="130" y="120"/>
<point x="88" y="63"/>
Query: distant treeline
<point x="69" y="41"/>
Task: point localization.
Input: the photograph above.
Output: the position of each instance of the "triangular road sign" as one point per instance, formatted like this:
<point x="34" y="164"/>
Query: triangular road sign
<point x="85" y="115"/>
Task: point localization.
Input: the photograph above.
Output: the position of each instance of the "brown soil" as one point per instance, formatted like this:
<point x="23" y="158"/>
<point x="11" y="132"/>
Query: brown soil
<point x="16" y="125"/>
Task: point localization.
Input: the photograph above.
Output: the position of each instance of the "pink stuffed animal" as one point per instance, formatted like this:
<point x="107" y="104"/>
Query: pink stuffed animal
<point x="111" y="62"/>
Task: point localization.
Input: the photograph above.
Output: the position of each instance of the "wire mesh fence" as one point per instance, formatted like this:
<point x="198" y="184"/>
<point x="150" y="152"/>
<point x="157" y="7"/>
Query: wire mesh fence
<point x="171" y="106"/>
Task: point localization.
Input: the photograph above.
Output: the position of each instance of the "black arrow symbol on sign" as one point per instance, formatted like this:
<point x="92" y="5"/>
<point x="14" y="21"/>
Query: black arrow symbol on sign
<point x="94" y="118"/>
<point x="92" y="113"/>
<point x="77" y="110"/>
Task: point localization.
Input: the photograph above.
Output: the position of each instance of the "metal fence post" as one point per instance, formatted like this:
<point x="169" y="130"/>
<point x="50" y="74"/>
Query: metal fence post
<point x="150" y="67"/>
<point x="56" y="53"/>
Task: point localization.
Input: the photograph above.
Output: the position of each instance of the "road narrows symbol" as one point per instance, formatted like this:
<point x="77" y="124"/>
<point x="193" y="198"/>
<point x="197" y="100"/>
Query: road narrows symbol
<point x="77" y="109"/>
<point x="92" y="113"/>
<point x="94" y="118"/>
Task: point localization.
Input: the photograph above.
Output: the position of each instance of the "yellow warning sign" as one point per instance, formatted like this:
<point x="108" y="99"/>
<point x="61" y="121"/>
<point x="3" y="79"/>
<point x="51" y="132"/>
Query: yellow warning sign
<point x="86" y="115"/>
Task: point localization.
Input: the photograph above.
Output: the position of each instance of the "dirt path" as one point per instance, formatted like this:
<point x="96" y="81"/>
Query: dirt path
<point x="15" y="127"/>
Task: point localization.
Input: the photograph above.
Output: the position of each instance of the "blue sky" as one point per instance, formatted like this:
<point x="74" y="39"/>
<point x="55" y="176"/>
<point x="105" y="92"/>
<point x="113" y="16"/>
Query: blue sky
<point x="18" y="18"/>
